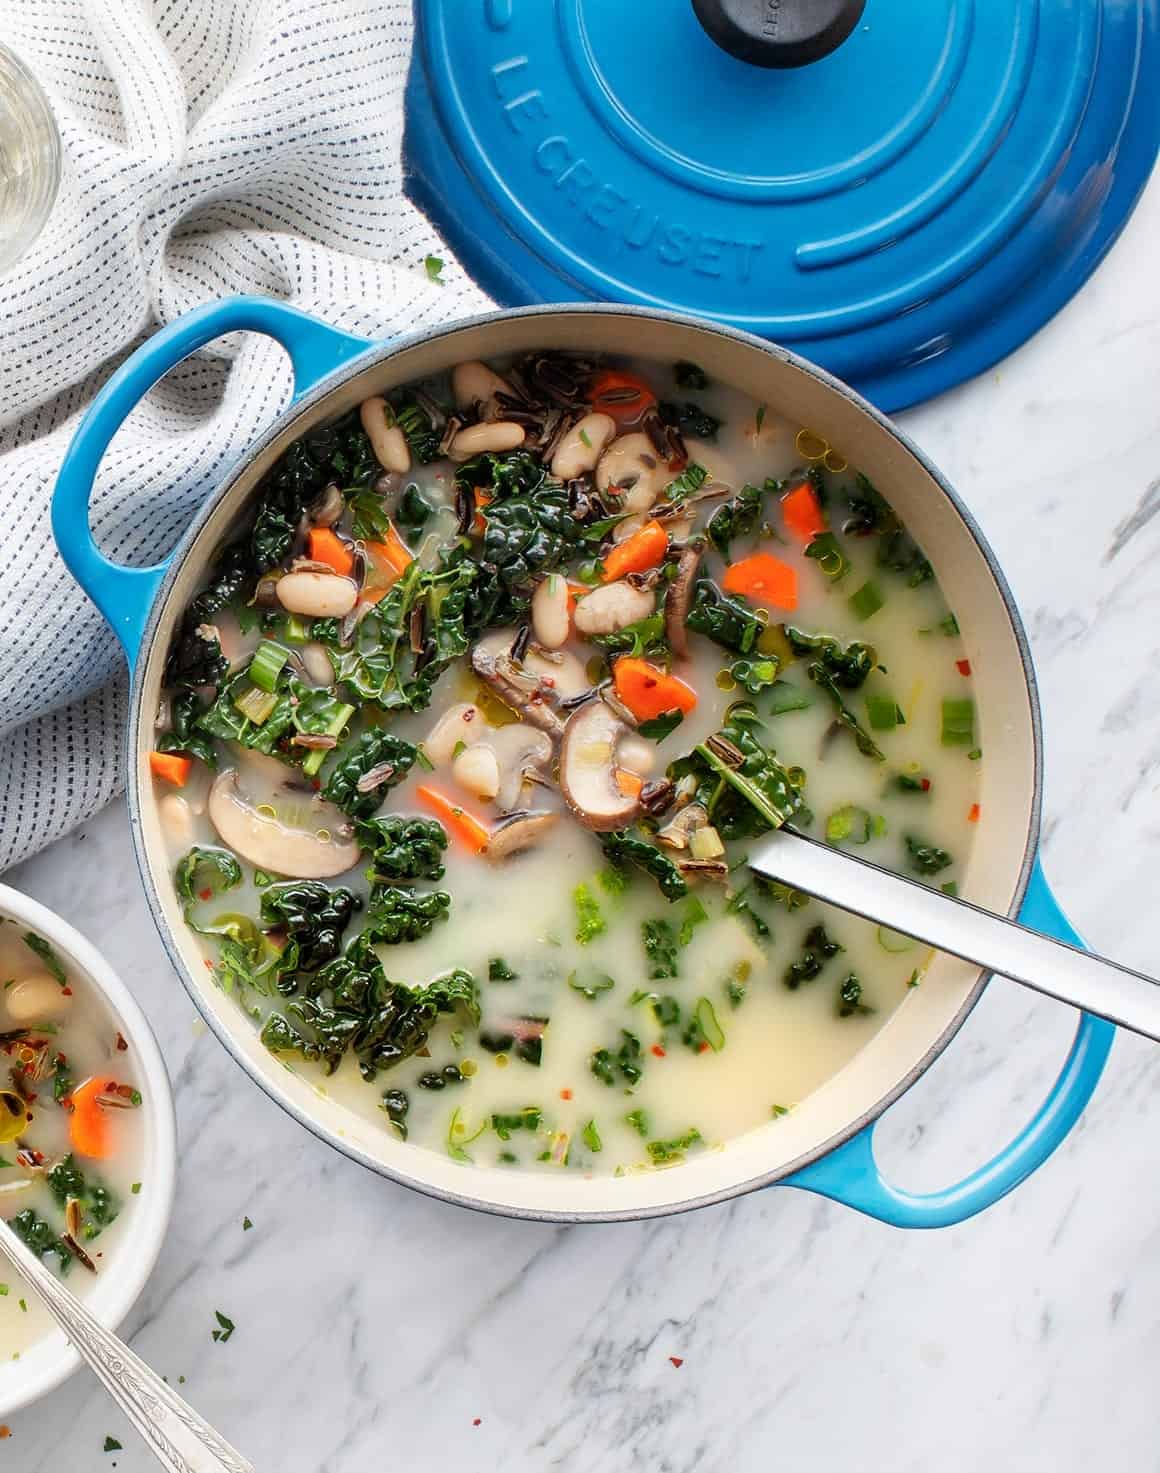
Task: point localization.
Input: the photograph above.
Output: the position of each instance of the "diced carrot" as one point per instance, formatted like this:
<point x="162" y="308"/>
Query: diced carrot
<point x="636" y="554"/>
<point x="327" y="547"/>
<point x="973" y="815"/>
<point x="479" y="521"/>
<point x="649" y="692"/>
<point x="763" y="577"/>
<point x="88" y="1125"/>
<point x="802" y="513"/>
<point x="622" y="396"/>
<point x="576" y="591"/>
<point x="630" y="783"/>
<point x="471" y="831"/>
<point x="170" y="767"/>
<point x="388" y="560"/>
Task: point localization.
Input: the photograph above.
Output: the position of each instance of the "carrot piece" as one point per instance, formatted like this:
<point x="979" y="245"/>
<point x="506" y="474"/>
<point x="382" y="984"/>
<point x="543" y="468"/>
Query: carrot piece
<point x="649" y="692"/>
<point x="973" y="815"/>
<point x="643" y="550"/>
<point x="630" y="783"/>
<point x="170" y="767"/>
<point x="479" y="521"/>
<point x="468" y="829"/>
<point x="802" y="513"/>
<point x="622" y="396"/>
<point x="327" y="547"/>
<point x="388" y="560"/>
<point x="764" y="578"/>
<point x="88" y="1125"/>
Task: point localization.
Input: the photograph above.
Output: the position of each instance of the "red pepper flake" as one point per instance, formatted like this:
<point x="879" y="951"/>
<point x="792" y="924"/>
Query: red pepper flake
<point x="925" y="785"/>
<point x="205" y="894"/>
<point x="703" y="1047"/>
<point x="656" y="1048"/>
<point x="677" y="1361"/>
<point x="66" y="992"/>
<point x="565" y="1094"/>
<point x="208" y="963"/>
<point x="476" y="1421"/>
<point x="122" y="1046"/>
<point x="316" y="783"/>
<point x="973" y="815"/>
<point x="963" y="667"/>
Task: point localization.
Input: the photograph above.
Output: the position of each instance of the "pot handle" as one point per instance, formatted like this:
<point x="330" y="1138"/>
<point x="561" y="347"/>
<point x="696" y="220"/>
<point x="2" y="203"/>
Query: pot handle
<point x="125" y="595"/>
<point x="850" y="1173"/>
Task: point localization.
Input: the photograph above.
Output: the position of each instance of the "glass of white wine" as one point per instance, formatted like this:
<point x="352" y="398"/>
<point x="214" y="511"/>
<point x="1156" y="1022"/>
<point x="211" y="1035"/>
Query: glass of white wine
<point x="29" y="159"/>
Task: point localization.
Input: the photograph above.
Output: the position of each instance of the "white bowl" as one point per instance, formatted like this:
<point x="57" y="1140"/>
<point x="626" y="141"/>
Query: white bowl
<point x="125" y="1269"/>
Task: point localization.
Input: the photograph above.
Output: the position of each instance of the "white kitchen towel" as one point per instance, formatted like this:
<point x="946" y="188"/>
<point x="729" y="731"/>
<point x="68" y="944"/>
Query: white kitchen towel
<point x="210" y="148"/>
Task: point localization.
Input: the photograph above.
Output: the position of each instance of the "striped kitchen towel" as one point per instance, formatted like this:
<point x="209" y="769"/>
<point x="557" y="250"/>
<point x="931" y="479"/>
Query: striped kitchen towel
<point x="211" y="148"/>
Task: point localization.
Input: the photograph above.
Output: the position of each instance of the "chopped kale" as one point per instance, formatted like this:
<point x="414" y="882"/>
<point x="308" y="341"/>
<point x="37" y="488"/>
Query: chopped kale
<point x="850" y="998"/>
<point x="590" y="923"/>
<point x="403" y="848"/>
<point x="39" y="1238"/>
<point x="396" y="914"/>
<point x="377" y="756"/>
<point x="625" y="1064"/>
<point x="727" y="620"/>
<point x="660" y="948"/>
<point x="624" y="847"/>
<point x="99" y="1206"/>
<point x="313" y="917"/>
<point x="817" y="950"/>
<point x="184" y="735"/>
<point x="924" y="858"/>
<point x="738" y="517"/>
<point x="202" y="870"/>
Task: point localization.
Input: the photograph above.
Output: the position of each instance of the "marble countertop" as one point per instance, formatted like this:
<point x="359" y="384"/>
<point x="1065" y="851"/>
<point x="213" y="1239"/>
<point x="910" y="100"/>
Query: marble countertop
<point x="377" y="1327"/>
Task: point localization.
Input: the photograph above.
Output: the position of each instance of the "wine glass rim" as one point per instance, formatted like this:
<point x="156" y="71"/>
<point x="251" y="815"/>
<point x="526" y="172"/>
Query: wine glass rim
<point x="31" y="219"/>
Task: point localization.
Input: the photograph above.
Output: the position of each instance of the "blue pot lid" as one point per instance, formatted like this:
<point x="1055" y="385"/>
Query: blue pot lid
<point x="904" y="211"/>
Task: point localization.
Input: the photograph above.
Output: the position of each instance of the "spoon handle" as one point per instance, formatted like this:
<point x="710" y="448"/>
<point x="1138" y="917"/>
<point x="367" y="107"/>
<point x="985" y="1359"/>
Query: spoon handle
<point x="180" y="1440"/>
<point x="1091" y="982"/>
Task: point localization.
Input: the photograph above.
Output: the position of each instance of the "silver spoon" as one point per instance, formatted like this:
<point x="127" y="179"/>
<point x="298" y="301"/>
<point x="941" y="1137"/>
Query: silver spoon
<point x="992" y="942"/>
<point x="178" y="1437"/>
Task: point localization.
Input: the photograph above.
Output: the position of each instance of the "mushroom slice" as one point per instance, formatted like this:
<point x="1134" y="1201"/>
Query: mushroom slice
<point x="679" y="599"/>
<point x="525" y="754"/>
<point x="272" y="845"/>
<point x="560" y="670"/>
<point x="519" y="831"/>
<point x="518" y="687"/>
<point x="588" y="763"/>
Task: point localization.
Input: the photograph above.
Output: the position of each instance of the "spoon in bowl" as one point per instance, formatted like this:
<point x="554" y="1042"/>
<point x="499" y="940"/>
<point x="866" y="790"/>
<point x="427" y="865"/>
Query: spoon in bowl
<point x="947" y="923"/>
<point x="177" y="1436"/>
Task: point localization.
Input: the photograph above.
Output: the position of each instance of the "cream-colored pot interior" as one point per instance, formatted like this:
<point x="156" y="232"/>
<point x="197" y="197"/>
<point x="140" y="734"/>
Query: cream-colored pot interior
<point x="1009" y="733"/>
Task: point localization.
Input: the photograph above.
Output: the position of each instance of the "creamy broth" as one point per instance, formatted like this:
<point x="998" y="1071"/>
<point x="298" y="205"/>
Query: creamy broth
<point x="69" y="1092"/>
<point x="590" y="1051"/>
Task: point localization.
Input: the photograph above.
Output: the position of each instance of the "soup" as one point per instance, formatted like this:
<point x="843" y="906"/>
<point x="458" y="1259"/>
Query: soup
<point x="465" y="741"/>
<point x="70" y="1130"/>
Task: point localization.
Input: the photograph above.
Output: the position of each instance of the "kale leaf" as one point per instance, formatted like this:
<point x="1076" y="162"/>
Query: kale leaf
<point x="627" y="1061"/>
<point x="689" y="418"/>
<point x="39" y="1238"/>
<point x="183" y="734"/>
<point x="99" y="1207"/>
<point x="660" y="947"/>
<point x="403" y="848"/>
<point x="396" y="915"/>
<point x="924" y="858"/>
<point x="738" y="517"/>
<point x="850" y="993"/>
<point x="624" y="847"/>
<point x="817" y="950"/>
<point x="847" y="667"/>
<point x="376" y="748"/>
<point x="195" y="657"/>
<point x="871" y="514"/>
<point x="298" y="708"/>
<point x="745" y="789"/>
<point x="728" y="621"/>
<point x="314" y="917"/>
<point x="203" y="869"/>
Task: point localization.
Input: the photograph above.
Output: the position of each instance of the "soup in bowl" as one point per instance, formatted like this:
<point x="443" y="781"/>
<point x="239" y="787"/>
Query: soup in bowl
<point x="87" y="1144"/>
<point x="488" y="667"/>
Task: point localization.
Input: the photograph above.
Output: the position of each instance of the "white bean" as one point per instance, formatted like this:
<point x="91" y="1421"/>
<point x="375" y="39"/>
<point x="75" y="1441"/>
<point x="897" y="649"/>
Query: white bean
<point x="494" y="435"/>
<point x="176" y="819"/>
<point x="477" y="769"/>
<point x="631" y="464"/>
<point x="550" y="611"/>
<point x="581" y="447"/>
<point x="474" y="383"/>
<point x="637" y="754"/>
<point x="316" y="663"/>
<point x="36" y="999"/>
<point x="387" y="440"/>
<point x="317" y="595"/>
<point x="613" y="607"/>
<point x="460" y="723"/>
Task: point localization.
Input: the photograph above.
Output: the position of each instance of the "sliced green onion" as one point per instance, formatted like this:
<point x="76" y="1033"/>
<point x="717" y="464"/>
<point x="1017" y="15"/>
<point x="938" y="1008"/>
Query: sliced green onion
<point x="884" y="712"/>
<point x="256" y="705"/>
<point x="785" y="696"/>
<point x="866" y="602"/>
<point x="296" y="630"/>
<point x="592" y="1137"/>
<point x="334" y="728"/>
<point x="829" y="556"/>
<point x="958" y="722"/>
<point x="950" y="888"/>
<point x="893" y="941"/>
<point x="707" y="1022"/>
<point x="974" y="754"/>
<point x="266" y="666"/>
<point x="848" y="824"/>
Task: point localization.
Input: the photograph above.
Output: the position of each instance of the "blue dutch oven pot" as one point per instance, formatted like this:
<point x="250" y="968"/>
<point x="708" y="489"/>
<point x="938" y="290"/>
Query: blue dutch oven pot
<point x="333" y="370"/>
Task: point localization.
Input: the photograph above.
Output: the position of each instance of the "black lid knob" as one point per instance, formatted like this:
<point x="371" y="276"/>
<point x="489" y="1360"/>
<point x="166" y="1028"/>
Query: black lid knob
<point x="779" y="33"/>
